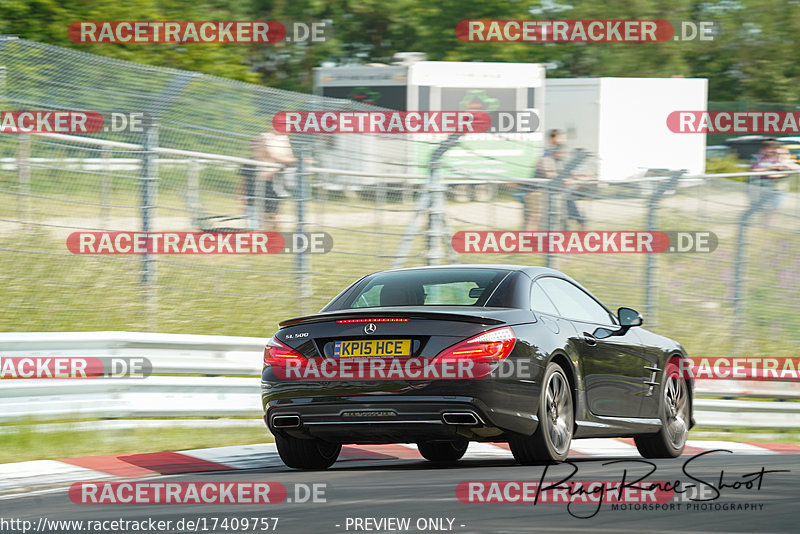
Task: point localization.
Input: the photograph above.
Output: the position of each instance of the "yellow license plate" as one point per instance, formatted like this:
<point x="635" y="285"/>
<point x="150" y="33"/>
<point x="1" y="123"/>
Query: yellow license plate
<point x="372" y="348"/>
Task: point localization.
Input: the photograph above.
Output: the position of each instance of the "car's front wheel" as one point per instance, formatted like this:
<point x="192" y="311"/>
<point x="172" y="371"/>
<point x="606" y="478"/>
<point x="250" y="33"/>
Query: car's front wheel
<point x="551" y="441"/>
<point x="307" y="453"/>
<point x="670" y="441"/>
<point x="443" y="451"/>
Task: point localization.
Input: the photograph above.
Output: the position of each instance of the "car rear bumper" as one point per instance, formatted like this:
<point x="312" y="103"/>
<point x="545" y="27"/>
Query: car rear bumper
<point x="385" y="419"/>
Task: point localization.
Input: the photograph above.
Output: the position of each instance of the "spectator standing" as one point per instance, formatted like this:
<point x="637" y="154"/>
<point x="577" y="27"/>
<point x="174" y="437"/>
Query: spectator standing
<point x="257" y="185"/>
<point x="764" y="189"/>
<point x="531" y="194"/>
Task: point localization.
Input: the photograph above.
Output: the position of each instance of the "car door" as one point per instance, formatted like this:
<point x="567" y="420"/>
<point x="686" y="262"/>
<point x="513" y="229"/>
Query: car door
<point x="612" y="366"/>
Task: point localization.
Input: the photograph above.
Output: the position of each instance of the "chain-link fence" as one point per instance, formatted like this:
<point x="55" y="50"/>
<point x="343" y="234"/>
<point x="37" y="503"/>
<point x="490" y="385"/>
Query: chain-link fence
<point x="385" y="200"/>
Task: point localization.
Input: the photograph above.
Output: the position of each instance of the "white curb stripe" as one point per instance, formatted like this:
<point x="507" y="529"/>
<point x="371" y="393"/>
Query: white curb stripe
<point x="738" y="448"/>
<point x="239" y="456"/>
<point x="43" y="473"/>
<point x="486" y="450"/>
<point x="603" y="447"/>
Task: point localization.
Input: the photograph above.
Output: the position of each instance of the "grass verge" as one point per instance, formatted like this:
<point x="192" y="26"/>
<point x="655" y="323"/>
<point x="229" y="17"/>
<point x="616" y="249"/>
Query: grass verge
<point x="751" y="435"/>
<point x="22" y="443"/>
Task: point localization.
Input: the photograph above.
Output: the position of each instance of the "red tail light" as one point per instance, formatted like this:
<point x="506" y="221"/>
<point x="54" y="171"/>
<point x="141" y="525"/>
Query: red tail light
<point x="277" y="353"/>
<point x="494" y="345"/>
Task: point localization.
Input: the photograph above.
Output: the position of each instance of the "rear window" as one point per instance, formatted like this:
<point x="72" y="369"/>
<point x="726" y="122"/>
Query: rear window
<point x="429" y="287"/>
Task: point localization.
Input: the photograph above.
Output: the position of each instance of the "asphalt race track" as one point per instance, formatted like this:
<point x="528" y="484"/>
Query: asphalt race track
<point x="417" y="489"/>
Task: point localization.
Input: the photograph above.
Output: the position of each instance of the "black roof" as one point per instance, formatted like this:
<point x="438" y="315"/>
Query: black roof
<point x="530" y="270"/>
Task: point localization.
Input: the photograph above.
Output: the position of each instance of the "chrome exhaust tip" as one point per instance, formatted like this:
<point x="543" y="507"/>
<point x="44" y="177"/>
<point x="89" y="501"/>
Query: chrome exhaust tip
<point x="286" y="421"/>
<point x="461" y="418"/>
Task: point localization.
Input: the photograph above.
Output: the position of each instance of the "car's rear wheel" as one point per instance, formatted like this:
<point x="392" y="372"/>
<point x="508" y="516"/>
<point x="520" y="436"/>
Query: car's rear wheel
<point x="443" y="451"/>
<point x="670" y="441"/>
<point x="551" y="441"/>
<point x="307" y="453"/>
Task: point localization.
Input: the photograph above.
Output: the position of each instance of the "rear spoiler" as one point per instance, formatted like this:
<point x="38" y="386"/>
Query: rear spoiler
<point x="410" y="314"/>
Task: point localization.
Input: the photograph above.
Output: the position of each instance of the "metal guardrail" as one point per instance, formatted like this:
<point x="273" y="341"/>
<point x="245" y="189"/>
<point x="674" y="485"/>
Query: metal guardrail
<point x="192" y="376"/>
<point x="188" y="155"/>
<point x="217" y="376"/>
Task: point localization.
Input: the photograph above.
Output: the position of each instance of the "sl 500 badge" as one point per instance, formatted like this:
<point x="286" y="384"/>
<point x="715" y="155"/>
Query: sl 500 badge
<point x="295" y="336"/>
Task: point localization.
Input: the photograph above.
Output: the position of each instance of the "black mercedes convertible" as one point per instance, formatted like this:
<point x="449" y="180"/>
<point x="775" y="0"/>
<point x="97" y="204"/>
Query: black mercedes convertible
<point x="441" y="356"/>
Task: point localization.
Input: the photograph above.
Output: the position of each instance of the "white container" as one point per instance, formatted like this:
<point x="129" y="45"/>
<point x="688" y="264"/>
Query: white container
<point x="623" y="122"/>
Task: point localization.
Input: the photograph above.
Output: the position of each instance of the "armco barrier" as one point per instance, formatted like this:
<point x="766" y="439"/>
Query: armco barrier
<point x="217" y="376"/>
<point x="170" y="354"/>
<point x="193" y="376"/>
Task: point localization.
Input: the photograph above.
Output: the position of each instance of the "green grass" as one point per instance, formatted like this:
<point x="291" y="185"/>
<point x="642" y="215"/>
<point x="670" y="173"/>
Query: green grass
<point x="45" y="288"/>
<point x="744" y="434"/>
<point x="727" y="164"/>
<point x="21" y="443"/>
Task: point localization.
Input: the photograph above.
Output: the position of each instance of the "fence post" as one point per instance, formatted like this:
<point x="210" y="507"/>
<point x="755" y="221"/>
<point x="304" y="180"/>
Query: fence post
<point x="756" y="204"/>
<point x="437" y="225"/>
<point x="552" y="212"/>
<point x="303" y="261"/>
<point x="492" y="204"/>
<point x="380" y="200"/>
<point x="432" y="203"/>
<point x="435" y="231"/>
<point x="193" y="191"/>
<point x="422" y="206"/>
<point x="650" y="296"/>
<point x="24" y="176"/>
<point x="555" y="198"/>
<point x="106" y="187"/>
<point x="149" y="176"/>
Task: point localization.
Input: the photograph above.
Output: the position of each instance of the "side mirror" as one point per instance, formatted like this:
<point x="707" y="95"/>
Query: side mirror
<point x="629" y="317"/>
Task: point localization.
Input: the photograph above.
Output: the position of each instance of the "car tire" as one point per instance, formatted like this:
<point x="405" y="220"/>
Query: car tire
<point x="443" y="451"/>
<point x="670" y="441"/>
<point x="307" y="453"/>
<point x="550" y="443"/>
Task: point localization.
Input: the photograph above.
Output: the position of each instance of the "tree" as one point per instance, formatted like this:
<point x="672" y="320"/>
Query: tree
<point x="755" y="57"/>
<point x="47" y="21"/>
